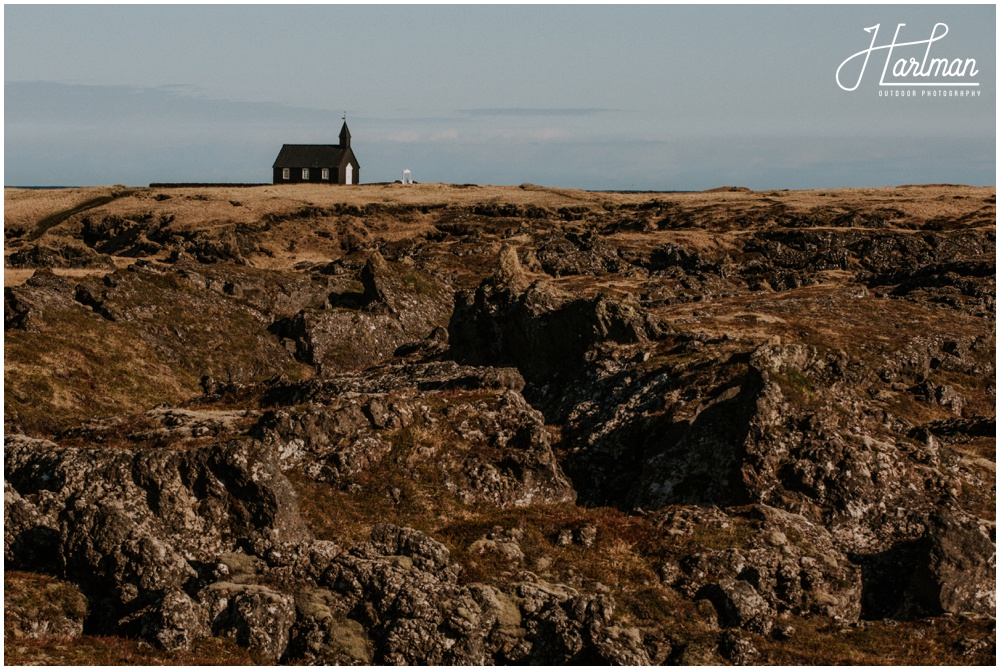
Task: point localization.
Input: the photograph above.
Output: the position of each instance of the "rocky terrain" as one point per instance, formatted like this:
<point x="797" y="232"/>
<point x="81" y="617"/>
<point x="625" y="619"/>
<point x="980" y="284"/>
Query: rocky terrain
<point x="494" y="425"/>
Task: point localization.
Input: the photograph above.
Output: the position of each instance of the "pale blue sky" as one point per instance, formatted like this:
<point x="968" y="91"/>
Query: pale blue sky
<point x="600" y="97"/>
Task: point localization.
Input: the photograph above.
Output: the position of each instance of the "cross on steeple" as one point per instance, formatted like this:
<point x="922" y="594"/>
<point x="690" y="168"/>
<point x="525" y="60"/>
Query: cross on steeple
<point x="345" y="134"/>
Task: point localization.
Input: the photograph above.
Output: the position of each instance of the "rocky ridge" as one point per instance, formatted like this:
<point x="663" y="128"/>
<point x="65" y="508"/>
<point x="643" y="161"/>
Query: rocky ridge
<point x="639" y="432"/>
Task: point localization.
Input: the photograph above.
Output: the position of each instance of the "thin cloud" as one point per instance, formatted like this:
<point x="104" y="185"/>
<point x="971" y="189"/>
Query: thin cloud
<point x="406" y="136"/>
<point x="445" y="135"/>
<point x="180" y="89"/>
<point x="536" y="111"/>
<point x="523" y="135"/>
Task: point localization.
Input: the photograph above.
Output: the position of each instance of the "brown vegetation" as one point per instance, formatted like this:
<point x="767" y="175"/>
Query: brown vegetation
<point x="702" y="372"/>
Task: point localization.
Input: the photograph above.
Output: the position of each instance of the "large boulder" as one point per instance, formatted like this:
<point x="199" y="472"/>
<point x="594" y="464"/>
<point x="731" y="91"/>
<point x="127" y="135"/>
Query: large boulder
<point x="104" y="548"/>
<point x="791" y="563"/>
<point x="740" y="606"/>
<point x="404" y="588"/>
<point x="254" y="616"/>
<point x="418" y="300"/>
<point x="341" y="339"/>
<point x="58" y="254"/>
<point x="324" y="635"/>
<point x="542" y="332"/>
<point x="137" y="529"/>
<point x="30" y="537"/>
<point x="573" y="254"/>
<point x="174" y="621"/>
<point x="467" y="426"/>
<point x="41" y="300"/>
<point x="959" y="574"/>
<point x="274" y="294"/>
<point x="779" y="424"/>
<point x="399" y="304"/>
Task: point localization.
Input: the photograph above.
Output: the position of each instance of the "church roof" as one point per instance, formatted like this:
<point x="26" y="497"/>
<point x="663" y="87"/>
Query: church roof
<point x="309" y="156"/>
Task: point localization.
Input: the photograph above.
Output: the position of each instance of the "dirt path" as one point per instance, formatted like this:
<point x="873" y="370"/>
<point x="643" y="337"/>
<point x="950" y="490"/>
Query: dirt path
<point x="55" y="219"/>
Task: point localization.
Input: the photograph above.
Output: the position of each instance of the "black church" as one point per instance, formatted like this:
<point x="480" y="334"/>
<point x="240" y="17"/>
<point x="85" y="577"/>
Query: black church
<point x="318" y="163"/>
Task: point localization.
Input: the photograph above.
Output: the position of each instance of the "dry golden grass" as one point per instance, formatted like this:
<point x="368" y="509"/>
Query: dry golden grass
<point x="203" y="207"/>
<point x="25" y="207"/>
<point x="56" y="378"/>
<point x="13" y="277"/>
<point x="938" y="641"/>
<point x="16" y="277"/>
<point x="308" y="223"/>
<point x="98" y="650"/>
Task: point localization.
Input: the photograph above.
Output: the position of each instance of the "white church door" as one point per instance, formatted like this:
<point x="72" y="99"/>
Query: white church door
<point x="349" y="175"/>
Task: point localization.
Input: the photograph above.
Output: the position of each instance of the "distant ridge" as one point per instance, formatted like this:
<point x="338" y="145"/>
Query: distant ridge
<point x="207" y="184"/>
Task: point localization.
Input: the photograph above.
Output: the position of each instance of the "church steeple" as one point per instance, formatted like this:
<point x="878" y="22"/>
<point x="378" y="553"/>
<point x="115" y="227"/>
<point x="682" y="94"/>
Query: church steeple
<point x="345" y="134"/>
